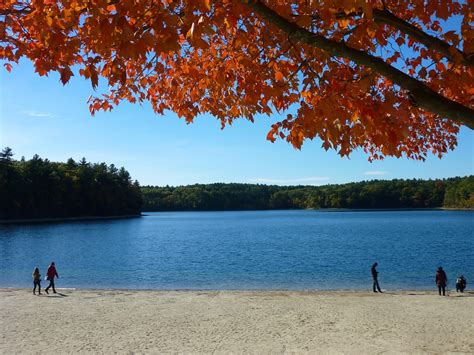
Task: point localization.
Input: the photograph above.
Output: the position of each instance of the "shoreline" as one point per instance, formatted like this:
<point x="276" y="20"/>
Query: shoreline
<point x="66" y="219"/>
<point x="248" y="322"/>
<point x="408" y="209"/>
<point x="421" y="292"/>
<point x="144" y="213"/>
<point x="451" y="293"/>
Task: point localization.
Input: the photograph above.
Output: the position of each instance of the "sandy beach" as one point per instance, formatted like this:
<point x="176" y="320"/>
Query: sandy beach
<point x="259" y="322"/>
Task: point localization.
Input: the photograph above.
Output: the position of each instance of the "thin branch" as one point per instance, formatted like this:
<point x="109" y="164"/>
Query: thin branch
<point x="23" y="11"/>
<point x="431" y="42"/>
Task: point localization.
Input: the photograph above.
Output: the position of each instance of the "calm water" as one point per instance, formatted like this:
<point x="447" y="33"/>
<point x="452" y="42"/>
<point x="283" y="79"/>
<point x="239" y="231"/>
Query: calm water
<point x="244" y="250"/>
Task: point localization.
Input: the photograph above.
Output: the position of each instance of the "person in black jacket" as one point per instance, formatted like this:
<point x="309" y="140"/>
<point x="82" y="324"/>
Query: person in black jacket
<point x="375" y="275"/>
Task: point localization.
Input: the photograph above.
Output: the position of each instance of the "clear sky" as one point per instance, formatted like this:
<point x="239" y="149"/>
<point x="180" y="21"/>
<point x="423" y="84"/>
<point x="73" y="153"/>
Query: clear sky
<point x="41" y="116"/>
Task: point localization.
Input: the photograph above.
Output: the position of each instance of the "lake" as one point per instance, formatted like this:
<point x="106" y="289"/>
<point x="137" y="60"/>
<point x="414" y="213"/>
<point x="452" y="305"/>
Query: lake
<point x="300" y="250"/>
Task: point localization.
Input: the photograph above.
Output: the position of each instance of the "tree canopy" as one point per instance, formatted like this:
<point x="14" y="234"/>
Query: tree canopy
<point x="393" y="77"/>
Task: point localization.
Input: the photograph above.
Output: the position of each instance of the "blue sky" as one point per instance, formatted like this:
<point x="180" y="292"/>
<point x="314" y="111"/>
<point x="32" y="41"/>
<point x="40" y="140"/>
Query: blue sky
<point x="40" y="115"/>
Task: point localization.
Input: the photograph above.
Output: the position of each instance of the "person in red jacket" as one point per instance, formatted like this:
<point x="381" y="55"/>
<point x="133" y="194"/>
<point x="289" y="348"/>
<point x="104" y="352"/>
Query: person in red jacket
<point x="50" y="275"/>
<point x="441" y="280"/>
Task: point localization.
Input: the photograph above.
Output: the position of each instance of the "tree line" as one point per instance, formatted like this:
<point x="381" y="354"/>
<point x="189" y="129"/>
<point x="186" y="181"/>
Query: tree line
<point x="378" y="194"/>
<point x="39" y="188"/>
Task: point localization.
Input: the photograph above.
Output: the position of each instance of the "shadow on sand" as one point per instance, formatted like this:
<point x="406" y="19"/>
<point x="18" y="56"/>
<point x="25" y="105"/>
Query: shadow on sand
<point x="55" y="295"/>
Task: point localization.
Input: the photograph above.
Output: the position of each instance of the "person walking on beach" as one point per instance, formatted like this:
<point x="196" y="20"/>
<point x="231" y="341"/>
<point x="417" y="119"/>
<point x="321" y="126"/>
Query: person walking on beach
<point x="375" y="275"/>
<point x="441" y="281"/>
<point x="36" y="280"/>
<point x="50" y="275"/>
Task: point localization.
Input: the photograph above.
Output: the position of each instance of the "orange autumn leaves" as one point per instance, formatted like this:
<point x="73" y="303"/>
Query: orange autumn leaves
<point x="220" y="57"/>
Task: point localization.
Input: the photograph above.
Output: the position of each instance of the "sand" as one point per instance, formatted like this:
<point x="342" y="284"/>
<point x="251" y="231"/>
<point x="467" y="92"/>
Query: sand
<point x="260" y="322"/>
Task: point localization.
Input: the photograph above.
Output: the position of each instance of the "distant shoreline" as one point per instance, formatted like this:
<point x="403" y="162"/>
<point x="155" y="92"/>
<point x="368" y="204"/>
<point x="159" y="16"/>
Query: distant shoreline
<point x="329" y="210"/>
<point x="143" y="213"/>
<point x="391" y="209"/>
<point x="65" y="219"/>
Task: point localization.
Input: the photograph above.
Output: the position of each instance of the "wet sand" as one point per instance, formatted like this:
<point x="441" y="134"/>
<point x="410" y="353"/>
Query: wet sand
<point x="259" y="322"/>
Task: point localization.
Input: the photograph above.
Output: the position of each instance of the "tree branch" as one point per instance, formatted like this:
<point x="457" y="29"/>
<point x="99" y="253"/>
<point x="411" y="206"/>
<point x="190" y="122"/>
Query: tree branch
<point x="13" y="11"/>
<point x="388" y="18"/>
<point x="431" y="42"/>
<point x="425" y="97"/>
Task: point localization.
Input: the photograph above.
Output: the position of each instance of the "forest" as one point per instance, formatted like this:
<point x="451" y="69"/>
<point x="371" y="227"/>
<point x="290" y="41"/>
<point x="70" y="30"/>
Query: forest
<point x="455" y="192"/>
<point x="39" y="188"/>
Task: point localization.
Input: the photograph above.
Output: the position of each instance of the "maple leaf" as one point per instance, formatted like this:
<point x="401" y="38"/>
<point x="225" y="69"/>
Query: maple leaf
<point x="66" y="74"/>
<point x="279" y="76"/>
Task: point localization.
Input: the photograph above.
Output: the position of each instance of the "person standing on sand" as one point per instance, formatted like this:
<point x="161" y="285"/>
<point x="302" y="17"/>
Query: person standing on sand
<point x="441" y="281"/>
<point x="36" y="280"/>
<point x="50" y="275"/>
<point x="375" y="275"/>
